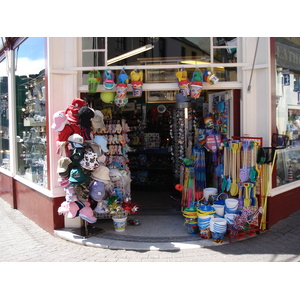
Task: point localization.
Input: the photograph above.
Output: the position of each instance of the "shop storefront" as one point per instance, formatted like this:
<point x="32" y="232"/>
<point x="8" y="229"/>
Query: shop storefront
<point x="162" y="114"/>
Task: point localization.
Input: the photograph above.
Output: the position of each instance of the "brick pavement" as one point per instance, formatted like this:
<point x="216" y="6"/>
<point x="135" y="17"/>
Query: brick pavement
<point x="22" y="240"/>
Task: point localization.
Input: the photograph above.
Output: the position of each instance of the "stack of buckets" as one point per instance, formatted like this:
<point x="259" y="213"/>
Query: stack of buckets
<point x="190" y="222"/>
<point x="231" y="210"/>
<point x="211" y="221"/>
<point x="205" y="213"/>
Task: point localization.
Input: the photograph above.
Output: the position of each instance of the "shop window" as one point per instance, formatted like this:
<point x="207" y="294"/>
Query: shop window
<point x="31" y="111"/>
<point x="288" y="108"/>
<point x="4" y="119"/>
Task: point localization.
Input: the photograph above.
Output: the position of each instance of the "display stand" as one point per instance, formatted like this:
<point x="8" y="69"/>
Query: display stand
<point x="87" y="230"/>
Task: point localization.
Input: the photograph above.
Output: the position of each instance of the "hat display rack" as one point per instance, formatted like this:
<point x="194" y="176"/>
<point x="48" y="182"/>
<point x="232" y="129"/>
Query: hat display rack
<point x="91" y="152"/>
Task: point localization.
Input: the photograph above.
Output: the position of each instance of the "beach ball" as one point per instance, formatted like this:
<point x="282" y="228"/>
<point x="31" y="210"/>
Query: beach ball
<point x="107" y="97"/>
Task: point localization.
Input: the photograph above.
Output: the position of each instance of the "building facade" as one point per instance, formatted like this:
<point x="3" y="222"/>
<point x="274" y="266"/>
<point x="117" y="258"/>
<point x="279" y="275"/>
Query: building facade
<point x="41" y="76"/>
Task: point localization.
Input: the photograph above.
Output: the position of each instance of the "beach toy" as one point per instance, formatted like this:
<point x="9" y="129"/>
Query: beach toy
<point x="94" y="78"/>
<point x="137" y="83"/>
<point x="209" y="77"/>
<point x="196" y="85"/>
<point x="108" y="80"/>
<point x="183" y="82"/>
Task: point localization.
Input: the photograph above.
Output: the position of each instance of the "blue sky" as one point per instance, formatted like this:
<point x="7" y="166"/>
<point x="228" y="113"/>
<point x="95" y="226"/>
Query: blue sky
<point x="33" y="48"/>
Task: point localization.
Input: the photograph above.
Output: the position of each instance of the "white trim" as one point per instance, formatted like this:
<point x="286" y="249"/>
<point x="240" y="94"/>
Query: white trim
<point x="284" y="188"/>
<point x="171" y="86"/>
<point x="6" y="172"/>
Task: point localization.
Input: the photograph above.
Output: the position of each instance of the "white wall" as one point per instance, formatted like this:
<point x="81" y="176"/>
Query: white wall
<point x="62" y="89"/>
<point x="256" y="103"/>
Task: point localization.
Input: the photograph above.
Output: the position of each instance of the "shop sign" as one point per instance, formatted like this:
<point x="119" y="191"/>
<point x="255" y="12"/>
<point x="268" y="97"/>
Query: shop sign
<point x="287" y="57"/>
<point x="286" y="79"/>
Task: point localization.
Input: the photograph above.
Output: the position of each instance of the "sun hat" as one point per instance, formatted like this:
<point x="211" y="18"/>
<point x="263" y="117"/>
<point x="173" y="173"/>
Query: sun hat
<point x="70" y="209"/>
<point x="97" y="190"/>
<point x="70" y="194"/>
<point x="68" y="130"/>
<point x="77" y="176"/>
<point x="76" y="157"/>
<point x="97" y="120"/>
<point x="82" y="192"/>
<point x="90" y="160"/>
<point x="101" y="174"/>
<point x="102" y="142"/>
<point x="59" y="121"/>
<point x="76" y="140"/>
<point x="86" y="213"/>
<point x="73" y="109"/>
<point x="63" y="181"/>
<point x="63" y="164"/>
<point x="85" y="114"/>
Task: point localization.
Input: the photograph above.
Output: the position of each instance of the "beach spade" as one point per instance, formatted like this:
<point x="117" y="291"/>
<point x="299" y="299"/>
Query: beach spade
<point x="234" y="186"/>
<point x="247" y="199"/>
<point x="253" y="172"/>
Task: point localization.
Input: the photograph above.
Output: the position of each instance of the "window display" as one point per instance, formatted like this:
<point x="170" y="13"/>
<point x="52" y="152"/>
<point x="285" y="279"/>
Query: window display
<point x="31" y="111"/>
<point x="287" y="108"/>
<point x="4" y="119"/>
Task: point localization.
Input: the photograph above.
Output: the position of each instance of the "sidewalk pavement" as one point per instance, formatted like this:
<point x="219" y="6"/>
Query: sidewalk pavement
<point x="22" y="240"/>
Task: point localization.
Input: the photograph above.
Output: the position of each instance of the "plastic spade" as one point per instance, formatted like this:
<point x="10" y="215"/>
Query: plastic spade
<point x="234" y="186"/>
<point x="247" y="199"/>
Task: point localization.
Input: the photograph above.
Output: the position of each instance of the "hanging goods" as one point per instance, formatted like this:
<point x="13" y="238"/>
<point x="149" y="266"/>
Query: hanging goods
<point x="183" y="82"/>
<point x="108" y="80"/>
<point x="213" y="143"/>
<point x="196" y="85"/>
<point x="121" y="93"/>
<point x="209" y="77"/>
<point x="234" y="186"/>
<point x="94" y="78"/>
<point x="137" y="83"/>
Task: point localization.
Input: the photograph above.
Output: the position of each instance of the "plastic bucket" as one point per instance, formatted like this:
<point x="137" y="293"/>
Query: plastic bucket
<point x="220" y="209"/>
<point x="204" y="221"/>
<point x="191" y="228"/>
<point x="195" y="90"/>
<point x="231" y="203"/>
<point x="218" y="225"/>
<point x="137" y="88"/>
<point x="229" y="218"/>
<point x="217" y="236"/>
<point x="209" y="191"/>
<point x="205" y="233"/>
<point x="119" y="224"/>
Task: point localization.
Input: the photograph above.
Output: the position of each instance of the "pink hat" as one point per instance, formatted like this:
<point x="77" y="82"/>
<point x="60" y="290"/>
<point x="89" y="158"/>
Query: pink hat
<point x="64" y="181"/>
<point x="87" y="214"/>
<point x="59" y="121"/>
<point x="70" y="209"/>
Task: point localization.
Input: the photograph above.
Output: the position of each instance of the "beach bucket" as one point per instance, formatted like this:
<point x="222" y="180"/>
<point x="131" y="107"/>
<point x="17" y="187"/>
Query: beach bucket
<point x="217" y="236"/>
<point x="195" y="89"/>
<point x="205" y="233"/>
<point x="231" y="205"/>
<point x="220" y="209"/>
<point x="205" y="210"/>
<point x="192" y="228"/>
<point x="229" y="218"/>
<point x="209" y="191"/>
<point x="121" y="92"/>
<point x="119" y="224"/>
<point x="184" y="87"/>
<point x="204" y="221"/>
<point x="137" y="88"/>
<point x="218" y="225"/>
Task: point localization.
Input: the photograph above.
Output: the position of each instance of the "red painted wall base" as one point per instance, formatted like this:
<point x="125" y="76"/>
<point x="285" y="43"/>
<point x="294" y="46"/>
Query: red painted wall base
<point x="37" y="207"/>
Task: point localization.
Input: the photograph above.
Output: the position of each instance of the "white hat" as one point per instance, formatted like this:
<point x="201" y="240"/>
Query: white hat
<point x="97" y="121"/>
<point x="76" y="140"/>
<point x="101" y="174"/>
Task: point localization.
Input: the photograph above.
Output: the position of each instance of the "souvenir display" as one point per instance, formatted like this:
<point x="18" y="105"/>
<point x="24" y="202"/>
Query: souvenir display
<point x="92" y="167"/>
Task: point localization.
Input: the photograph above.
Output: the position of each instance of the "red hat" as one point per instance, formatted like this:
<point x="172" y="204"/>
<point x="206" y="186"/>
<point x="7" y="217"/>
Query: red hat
<point x="73" y="109"/>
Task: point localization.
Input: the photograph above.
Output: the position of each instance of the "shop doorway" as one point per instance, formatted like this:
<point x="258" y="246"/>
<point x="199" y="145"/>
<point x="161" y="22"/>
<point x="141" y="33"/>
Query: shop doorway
<point x="150" y="157"/>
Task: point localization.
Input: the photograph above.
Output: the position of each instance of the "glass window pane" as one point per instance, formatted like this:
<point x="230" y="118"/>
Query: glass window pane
<point x="31" y="110"/>
<point x="156" y="50"/>
<point x="287" y="107"/>
<point x="4" y="119"/>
